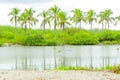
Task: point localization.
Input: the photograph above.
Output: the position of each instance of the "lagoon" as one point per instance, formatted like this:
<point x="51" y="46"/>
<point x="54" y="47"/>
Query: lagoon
<point x="50" y="57"/>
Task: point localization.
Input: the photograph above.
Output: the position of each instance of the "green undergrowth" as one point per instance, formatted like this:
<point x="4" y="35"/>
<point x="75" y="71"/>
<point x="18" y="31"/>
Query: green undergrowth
<point x="72" y="68"/>
<point x="115" y="68"/>
<point x="70" y="36"/>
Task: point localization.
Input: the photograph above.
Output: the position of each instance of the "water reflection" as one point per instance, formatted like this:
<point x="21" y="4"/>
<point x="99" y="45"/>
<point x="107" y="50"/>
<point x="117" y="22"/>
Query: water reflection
<point x="49" y="57"/>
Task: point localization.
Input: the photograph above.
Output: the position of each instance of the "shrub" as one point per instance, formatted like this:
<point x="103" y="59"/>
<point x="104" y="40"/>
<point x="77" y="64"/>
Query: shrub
<point x="107" y="35"/>
<point x="33" y="40"/>
<point x="1" y="43"/>
<point x="51" y="42"/>
<point x="116" y="69"/>
<point x="109" y="42"/>
<point x="8" y="35"/>
<point x="85" y="39"/>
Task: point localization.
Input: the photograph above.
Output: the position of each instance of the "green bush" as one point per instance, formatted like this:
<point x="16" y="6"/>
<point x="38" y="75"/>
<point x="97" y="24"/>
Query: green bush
<point x="70" y="36"/>
<point x="33" y="40"/>
<point x="116" y="69"/>
<point x="85" y="39"/>
<point x="72" y="68"/>
<point x="109" y="42"/>
<point x="51" y="42"/>
<point x="1" y="43"/>
<point x="107" y="35"/>
<point x="8" y="35"/>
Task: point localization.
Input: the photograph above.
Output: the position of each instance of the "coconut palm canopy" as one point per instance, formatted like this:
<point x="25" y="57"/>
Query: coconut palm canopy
<point x="56" y="18"/>
<point x="40" y="5"/>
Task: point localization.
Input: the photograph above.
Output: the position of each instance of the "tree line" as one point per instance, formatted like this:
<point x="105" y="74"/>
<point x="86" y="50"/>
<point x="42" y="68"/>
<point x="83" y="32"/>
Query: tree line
<point x="59" y="18"/>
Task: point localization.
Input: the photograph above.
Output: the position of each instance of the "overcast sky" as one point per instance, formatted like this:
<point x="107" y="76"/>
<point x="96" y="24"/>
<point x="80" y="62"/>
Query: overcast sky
<point x="66" y="5"/>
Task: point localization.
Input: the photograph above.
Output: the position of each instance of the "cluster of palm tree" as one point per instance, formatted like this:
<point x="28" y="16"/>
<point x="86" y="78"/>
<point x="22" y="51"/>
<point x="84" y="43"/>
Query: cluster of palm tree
<point x="60" y="19"/>
<point x="25" y="18"/>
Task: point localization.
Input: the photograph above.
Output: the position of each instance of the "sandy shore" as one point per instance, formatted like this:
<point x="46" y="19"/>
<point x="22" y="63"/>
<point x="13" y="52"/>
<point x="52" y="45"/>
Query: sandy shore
<point x="58" y="75"/>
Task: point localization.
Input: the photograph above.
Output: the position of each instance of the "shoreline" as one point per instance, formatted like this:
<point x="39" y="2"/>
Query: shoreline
<point x="58" y="75"/>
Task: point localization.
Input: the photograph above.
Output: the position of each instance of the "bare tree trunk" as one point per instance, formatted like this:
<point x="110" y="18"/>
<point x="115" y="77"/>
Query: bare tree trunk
<point x="25" y="26"/>
<point x="29" y="25"/>
<point x="15" y="21"/>
<point x="108" y="25"/>
<point x="55" y="29"/>
<point x="105" y="24"/>
<point x="102" y="25"/>
<point x="80" y="25"/>
<point x="75" y="24"/>
<point x="63" y="27"/>
<point x="90" y="27"/>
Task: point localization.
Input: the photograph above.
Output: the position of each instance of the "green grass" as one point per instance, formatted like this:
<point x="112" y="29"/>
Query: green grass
<point x="70" y="36"/>
<point x="72" y="68"/>
<point x="115" y="68"/>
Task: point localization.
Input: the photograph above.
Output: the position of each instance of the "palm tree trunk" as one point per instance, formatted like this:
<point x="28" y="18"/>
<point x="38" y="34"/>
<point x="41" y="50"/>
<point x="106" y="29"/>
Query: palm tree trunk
<point x="55" y="24"/>
<point x="15" y="21"/>
<point x="25" y="26"/>
<point x="63" y="26"/>
<point x="102" y="25"/>
<point x="44" y="26"/>
<point x="91" y="27"/>
<point x="44" y="29"/>
<point x="105" y="24"/>
<point x="29" y="25"/>
<point x="75" y="24"/>
<point x="55" y="29"/>
<point x="108" y="25"/>
<point x="80" y="25"/>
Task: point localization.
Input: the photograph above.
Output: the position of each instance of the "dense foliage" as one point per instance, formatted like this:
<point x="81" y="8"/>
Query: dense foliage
<point x="70" y="36"/>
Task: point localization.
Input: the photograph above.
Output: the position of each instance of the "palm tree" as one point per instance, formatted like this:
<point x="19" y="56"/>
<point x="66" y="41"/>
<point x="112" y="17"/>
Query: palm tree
<point x="27" y="18"/>
<point x="117" y="19"/>
<point x="23" y="20"/>
<point x="101" y="20"/>
<point x="63" y="19"/>
<point x="31" y="19"/>
<point x="78" y="17"/>
<point x="46" y="19"/>
<point x="91" y="16"/>
<point x="105" y="18"/>
<point x="54" y="15"/>
<point x="15" y="14"/>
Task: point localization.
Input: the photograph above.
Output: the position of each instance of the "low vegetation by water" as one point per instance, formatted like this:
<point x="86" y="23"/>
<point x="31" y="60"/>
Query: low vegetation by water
<point x="115" y="69"/>
<point x="70" y="36"/>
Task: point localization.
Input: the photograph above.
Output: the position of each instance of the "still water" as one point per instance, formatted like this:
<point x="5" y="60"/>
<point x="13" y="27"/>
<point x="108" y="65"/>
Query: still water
<point x="49" y="57"/>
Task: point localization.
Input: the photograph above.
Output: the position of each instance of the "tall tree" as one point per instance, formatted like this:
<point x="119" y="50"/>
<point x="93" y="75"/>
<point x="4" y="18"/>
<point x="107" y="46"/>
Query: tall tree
<point x="101" y="20"/>
<point x="105" y="18"/>
<point x="91" y="16"/>
<point x="27" y="18"/>
<point x="78" y="17"/>
<point x="23" y="20"/>
<point x="15" y="14"/>
<point x="54" y="15"/>
<point x="63" y="19"/>
<point x="30" y="17"/>
<point x="45" y="20"/>
<point x="117" y="19"/>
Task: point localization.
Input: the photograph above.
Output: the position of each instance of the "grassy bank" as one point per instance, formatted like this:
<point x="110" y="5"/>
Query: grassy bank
<point x="70" y="36"/>
<point x="115" y="69"/>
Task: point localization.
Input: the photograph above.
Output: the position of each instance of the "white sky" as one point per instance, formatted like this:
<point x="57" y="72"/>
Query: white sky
<point x="66" y="5"/>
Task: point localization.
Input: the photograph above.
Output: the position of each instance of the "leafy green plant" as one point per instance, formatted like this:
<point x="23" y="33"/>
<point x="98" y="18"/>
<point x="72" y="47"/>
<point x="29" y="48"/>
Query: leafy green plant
<point x="1" y="43"/>
<point x="117" y="69"/>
